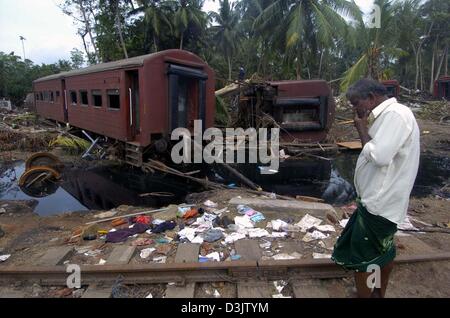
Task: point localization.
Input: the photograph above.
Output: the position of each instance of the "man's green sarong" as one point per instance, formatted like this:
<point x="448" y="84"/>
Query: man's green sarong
<point x="367" y="239"/>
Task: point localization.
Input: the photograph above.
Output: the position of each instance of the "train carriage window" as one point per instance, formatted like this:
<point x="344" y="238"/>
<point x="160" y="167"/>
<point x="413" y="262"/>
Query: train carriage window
<point x="84" y="98"/>
<point x="57" y="96"/>
<point x="46" y="96"/>
<point x="41" y="97"/>
<point x="113" y="98"/>
<point x="52" y="97"/>
<point x="96" y="97"/>
<point x="73" y="97"/>
<point x="37" y="96"/>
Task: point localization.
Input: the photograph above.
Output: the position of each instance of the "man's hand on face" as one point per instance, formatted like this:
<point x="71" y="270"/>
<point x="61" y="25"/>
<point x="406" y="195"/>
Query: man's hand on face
<point x="361" y="124"/>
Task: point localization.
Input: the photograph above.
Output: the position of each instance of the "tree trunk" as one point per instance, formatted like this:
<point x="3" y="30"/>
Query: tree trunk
<point x="229" y="67"/>
<point x="432" y="66"/>
<point x="119" y="29"/>
<point x="320" y="63"/>
<point x="154" y="43"/>
<point x="181" y="40"/>
<point x="444" y="55"/>
<point x="88" y="29"/>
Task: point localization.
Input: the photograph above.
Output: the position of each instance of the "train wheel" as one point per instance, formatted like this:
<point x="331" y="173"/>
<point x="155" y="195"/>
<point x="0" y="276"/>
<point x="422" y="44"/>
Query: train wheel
<point x="43" y="159"/>
<point x="39" y="181"/>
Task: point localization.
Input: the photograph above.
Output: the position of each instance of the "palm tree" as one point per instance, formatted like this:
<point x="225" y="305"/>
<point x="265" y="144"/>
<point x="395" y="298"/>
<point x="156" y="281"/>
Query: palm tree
<point x="188" y="12"/>
<point x="377" y="44"/>
<point x="225" y="32"/>
<point x="156" y="17"/>
<point x="301" y="25"/>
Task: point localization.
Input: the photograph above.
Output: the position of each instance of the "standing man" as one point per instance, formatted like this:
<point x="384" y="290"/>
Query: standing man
<point x="384" y="177"/>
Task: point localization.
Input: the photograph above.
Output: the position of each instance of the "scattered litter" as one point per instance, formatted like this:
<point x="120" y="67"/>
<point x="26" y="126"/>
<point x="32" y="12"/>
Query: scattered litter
<point x="233" y="237"/>
<point x="278" y="225"/>
<point x="308" y="222"/>
<point x="316" y="235"/>
<point x="145" y="219"/>
<point x="214" y="256"/>
<point x="92" y="253"/>
<point x="257" y="232"/>
<point x="162" y="227"/>
<point x="283" y="155"/>
<point x="235" y="257"/>
<point x="163" y="240"/>
<point x="325" y="228"/>
<point x="212" y="235"/>
<point x="210" y="204"/>
<point x="101" y="262"/>
<point x="123" y="234"/>
<point x="267" y="170"/>
<point x="278" y="234"/>
<point x="106" y="214"/>
<point x="146" y="252"/>
<point x="182" y="210"/>
<point x="198" y="239"/>
<point x="2" y="210"/>
<point x="219" y="212"/>
<point x="118" y="222"/>
<point x="4" y="257"/>
<point x="279" y="285"/>
<point x="343" y="222"/>
<point x="187" y="233"/>
<point x="190" y="214"/>
<point x="265" y="245"/>
<point x="160" y="260"/>
<point x="216" y="293"/>
<point x="149" y="296"/>
<point x="157" y="221"/>
<point x="284" y="256"/>
<point x="320" y="255"/>
<point x="280" y="296"/>
<point x="258" y="216"/>
<point x="163" y="249"/>
<point x="142" y="242"/>
<point x="243" y="221"/>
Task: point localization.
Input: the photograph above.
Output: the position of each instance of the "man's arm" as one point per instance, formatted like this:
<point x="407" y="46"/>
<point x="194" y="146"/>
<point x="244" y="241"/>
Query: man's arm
<point x="361" y="125"/>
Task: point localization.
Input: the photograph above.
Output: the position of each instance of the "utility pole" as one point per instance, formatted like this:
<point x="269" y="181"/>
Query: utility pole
<point x="23" y="46"/>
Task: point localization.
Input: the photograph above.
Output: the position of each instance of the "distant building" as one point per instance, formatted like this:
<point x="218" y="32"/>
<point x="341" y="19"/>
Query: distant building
<point x="5" y="103"/>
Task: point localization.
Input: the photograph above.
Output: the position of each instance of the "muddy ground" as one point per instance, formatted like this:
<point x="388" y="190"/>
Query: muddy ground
<point x="27" y="235"/>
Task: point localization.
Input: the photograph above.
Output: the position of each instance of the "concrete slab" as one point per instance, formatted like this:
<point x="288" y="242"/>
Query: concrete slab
<point x="310" y="288"/>
<point x="55" y="256"/>
<point x="248" y="249"/>
<point x="121" y="254"/>
<point x="187" y="291"/>
<point x="95" y="291"/>
<point x="313" y="208"/>
<point x="187" y="253"/>
<point x="255" y="290"/>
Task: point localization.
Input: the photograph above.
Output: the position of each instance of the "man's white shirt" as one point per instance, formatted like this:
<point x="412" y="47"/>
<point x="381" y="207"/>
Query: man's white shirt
<point x="388" y="163"/>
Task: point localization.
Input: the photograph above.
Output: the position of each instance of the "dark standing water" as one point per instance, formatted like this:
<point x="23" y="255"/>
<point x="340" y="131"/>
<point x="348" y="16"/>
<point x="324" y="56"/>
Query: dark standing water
<point x="109" y="187"/>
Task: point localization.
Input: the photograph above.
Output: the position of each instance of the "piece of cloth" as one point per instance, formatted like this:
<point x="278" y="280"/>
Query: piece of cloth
<point x="367" y="239"/>
<point x="190" y="214"/>
<point x="388" y="164"/>
<point x="168" y="225"/>
<point x="123" y="234"/>
<point x="145" y="219"/>
<point x="212" y="235"/>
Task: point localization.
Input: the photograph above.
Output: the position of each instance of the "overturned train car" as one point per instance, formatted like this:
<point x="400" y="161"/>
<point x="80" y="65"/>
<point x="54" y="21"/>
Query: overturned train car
<point x="304" y="110"/>
<point x="138" y="101"/>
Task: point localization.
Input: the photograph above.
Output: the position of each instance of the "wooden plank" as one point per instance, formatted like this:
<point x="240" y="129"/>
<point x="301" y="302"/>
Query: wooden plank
<point x="310" y="288"/>
<point x="121" y="255"/>
<point x="187" y="253"/>
<point x="55" y="256"/>
<point x="187" y="291"/>
<point x="248" y="249"/>
<point x="95" y="291"/>
<point x="350" y="144"/>
<point x="255" y="290"/>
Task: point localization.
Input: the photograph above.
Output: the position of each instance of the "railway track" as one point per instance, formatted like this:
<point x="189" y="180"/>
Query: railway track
<point x="306" y="278"/>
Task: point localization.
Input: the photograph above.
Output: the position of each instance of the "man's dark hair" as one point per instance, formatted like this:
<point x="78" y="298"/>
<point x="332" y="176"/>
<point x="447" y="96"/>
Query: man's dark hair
<point x="362" y="89"/>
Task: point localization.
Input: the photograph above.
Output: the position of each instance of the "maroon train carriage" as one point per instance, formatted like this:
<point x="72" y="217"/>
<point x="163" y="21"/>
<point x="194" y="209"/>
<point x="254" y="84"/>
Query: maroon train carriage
<point x="392" y="87"/>
<point x="139" y="100"/>
<point x="442" y="87"/>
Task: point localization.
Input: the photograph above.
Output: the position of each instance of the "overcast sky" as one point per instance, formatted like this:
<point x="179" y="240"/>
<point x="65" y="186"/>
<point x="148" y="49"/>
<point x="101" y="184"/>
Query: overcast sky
<point x="51" y="35"/>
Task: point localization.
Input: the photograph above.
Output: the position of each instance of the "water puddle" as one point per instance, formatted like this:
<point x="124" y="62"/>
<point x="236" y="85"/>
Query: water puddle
<point x="108" y="187"/>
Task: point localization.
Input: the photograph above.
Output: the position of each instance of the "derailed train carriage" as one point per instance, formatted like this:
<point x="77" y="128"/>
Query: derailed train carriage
<point x="141" y="100"/>
<point x="138" y="101"/>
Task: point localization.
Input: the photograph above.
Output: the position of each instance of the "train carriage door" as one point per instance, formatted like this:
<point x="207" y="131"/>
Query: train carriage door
<point x="187" y="96"/>
<point x="133" y="102"/>
<point x="64" y="101"/>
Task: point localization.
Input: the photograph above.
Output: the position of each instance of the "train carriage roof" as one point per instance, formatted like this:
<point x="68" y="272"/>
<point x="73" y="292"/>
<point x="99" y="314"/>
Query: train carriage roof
<point x="109" y="66"/>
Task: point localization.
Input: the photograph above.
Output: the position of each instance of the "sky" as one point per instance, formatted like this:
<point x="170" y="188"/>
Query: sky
<point x="50" y="34"/>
